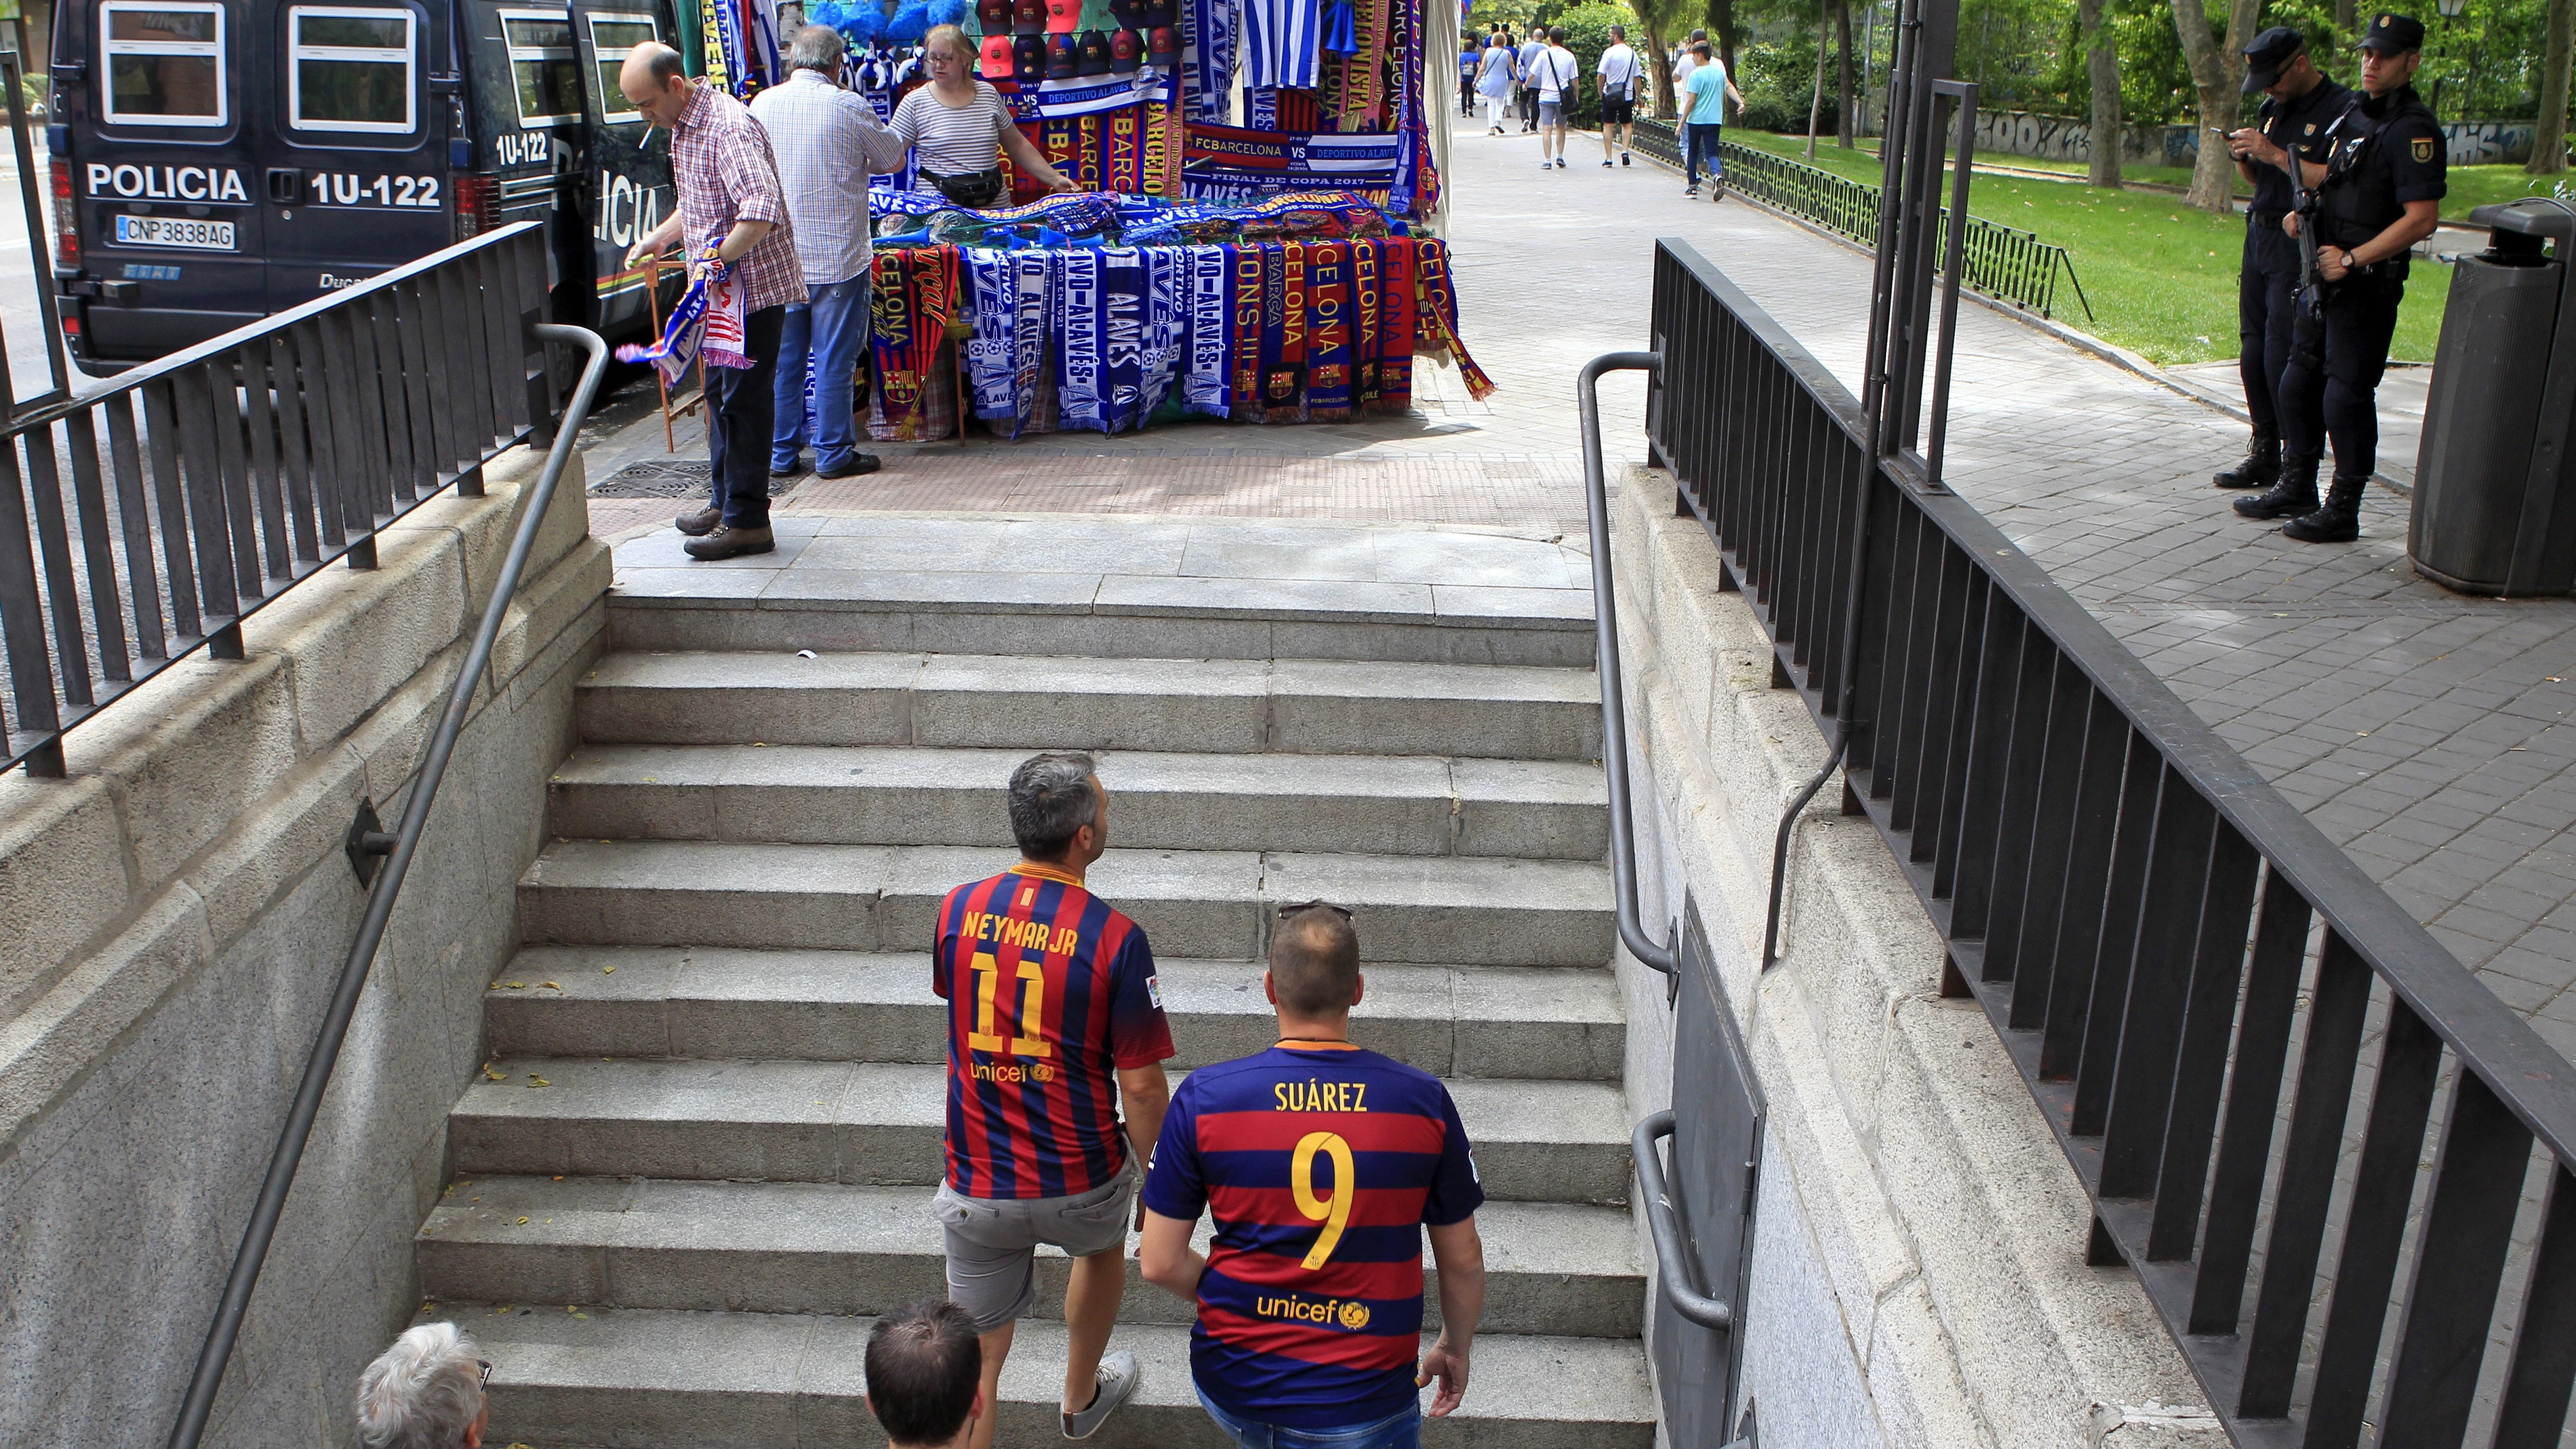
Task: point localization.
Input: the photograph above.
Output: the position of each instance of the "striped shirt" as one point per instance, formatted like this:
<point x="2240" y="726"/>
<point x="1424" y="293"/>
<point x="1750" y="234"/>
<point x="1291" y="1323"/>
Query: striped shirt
<point x="828" y="142"/>
<point x="1049" y="990"/>
<point x="1283" y="43"/>
<point x="1320" y="1162"/>
<point x="722" y="169"/>
<point x="954" y="140"/>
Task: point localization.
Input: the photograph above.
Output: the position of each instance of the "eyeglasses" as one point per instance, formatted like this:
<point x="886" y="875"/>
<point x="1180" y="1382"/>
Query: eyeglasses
<point x="1319" y="904"/>
<point x="483" y="1379"/>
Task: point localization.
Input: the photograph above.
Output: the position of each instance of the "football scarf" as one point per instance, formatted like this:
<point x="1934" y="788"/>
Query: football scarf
<point x="1211" y="330"/>
<point x="1244" y="163"/>
<point x="1367" y="256"/>
<point x="681" y="332"/>
<point x="1296" y="111"/>
<point x="992" y="291"/>
<point x="720" y="43"/>
<point x="1397" y="330"/>
<point x="1283" y="331"/>
<point x="1167" y="326"/>
<point x="1211" y="55"/>
<point x="725" y="344"/>
<point x="1328" y="332"/>
<point x="1079" y="344"/>
<point x="912" y="296"/>
<point x="1251" y="268"/>
<point x="1438" y="305"/>
<point x="1122" y="338"/>
<point x="1122" y="160"/>
<point x="1261" y="108"/>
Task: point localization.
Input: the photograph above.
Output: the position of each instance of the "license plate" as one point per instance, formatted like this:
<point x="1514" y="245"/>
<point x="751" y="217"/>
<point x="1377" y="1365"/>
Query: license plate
<point x="174" y="231"/>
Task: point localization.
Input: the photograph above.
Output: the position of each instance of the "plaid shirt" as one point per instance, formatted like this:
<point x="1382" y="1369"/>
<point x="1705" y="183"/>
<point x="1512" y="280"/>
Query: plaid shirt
<point x="721" y="166"/>
<point x="828" y="141"/>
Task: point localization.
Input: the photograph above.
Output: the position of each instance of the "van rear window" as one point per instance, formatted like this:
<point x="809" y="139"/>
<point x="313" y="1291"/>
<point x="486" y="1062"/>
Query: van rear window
<point x="165" y="64"/>
<point x="350" y="69"/>
<point x="544" y="68"/>
<point x="611" y="36"/>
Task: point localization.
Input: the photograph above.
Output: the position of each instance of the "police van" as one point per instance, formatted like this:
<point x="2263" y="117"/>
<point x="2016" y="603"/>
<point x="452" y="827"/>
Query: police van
<point x="215" y="161"/>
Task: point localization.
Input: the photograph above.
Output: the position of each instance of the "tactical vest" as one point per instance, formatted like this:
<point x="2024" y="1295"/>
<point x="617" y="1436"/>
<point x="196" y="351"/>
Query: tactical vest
<point x="2360" y="197"/>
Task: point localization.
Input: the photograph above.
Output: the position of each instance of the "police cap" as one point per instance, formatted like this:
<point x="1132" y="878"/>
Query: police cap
<point x="2269" y="54"/>
<point x="2393" y="33"/>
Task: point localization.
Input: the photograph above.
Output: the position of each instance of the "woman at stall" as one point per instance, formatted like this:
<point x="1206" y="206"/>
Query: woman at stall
<point x="959" y="129"/>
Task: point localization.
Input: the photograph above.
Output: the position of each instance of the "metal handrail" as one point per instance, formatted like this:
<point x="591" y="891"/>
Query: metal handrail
<point x="282" y="1164"/>
<point x="1687" y="1300"/>
<point x="1605" y="625"/>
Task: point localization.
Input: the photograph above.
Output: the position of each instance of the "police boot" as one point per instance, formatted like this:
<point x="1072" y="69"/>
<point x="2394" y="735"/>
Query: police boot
<point x="2339" y="520"/>
<point x="2295" y="492"/>
<point x="2261" y="466"/>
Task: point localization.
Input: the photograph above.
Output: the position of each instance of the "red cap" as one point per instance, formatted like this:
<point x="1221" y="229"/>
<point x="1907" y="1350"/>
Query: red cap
<point x="997" y="57"/>
<point x="1063" y="16"/>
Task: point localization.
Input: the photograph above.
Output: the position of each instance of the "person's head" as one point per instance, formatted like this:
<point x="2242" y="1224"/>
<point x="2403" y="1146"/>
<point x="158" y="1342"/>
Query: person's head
<point x="949" y="54"/>
<point x="652" y="83"/>
<point x="2276" y="63"/>
<point x="1618" y="35"/>
<point x="1059" y="812"/>
<point x="1700" y="51"/>
<point x="2390" y="50"/>
<point x="1556" y="36"/>
<point x="925" y="1369"/>
<point x="425" y="1392"/>
<point x="1698" y="39"/>
<point x="818" y="48"/>
<point x="1314" y="973"/>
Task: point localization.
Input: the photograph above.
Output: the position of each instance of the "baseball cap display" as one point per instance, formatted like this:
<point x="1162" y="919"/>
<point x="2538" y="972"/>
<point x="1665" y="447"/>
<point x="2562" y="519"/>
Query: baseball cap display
<point x="1094" y="54"/>
<point x="2393" y="33"/>
<point x="1126" y="52"/>
<point x="1028" y="17"/>
<point x="2270" y="53"/>
<point x="997" y="57"/>
<point x="1164" y="44"/>
<point x="993" y="17"/>
<point x="1064" y="17"/>
<point x="1063" y="56"/>
<point x="1029" y="57"/>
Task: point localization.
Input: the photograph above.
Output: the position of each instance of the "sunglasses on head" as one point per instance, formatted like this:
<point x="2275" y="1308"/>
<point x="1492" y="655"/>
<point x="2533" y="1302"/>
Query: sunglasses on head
<point x="483" y="1376"/>
<point x="1314" y="905"/>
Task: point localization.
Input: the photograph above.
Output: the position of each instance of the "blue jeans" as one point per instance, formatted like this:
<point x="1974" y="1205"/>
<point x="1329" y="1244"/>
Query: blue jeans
<point x="1399" y="1430"/>
<point x="830" y="329"/>
<point x="1700" y="140"/>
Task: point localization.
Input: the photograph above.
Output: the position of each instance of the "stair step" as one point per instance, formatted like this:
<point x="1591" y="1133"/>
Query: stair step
<point x="1216" y="905"/>
<point x="922" y="795"/>
<point x="627" y="1378"/>
<point x="880" y="1123"/>
<point x="1562" y="1023"/>
<point x="1240" y="706"/>
<point x="799" y="1247"/>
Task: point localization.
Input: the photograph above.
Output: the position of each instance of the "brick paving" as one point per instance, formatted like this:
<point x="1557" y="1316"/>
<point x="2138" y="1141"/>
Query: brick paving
<point x="2423" y="731"/>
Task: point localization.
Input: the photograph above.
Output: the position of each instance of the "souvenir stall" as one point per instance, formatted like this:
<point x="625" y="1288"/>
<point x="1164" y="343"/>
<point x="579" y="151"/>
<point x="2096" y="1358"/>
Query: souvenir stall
<point x="1251" y="240"/>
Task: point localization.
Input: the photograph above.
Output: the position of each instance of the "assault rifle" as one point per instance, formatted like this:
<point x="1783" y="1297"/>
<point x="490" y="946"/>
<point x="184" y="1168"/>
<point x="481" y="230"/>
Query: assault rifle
<point x="2308" y="320"/>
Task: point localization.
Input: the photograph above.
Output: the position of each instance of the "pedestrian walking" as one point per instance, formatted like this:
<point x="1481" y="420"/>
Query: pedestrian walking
<point x="1309" y="1300"/>
<point x="1705" y="93"/>
<point x="733" y="219"/>
<point x="1531" y="49"/>
<point x="924" y="1369"/>
<point x="2380" y="192"/>
<point x="1055" y="1024"/>
<point x="828" y="142"/>
<point x="1557" y="74"/>
<point x="2302" y="105"/>
<point x="1494" y="80"/>
<point x="1619" y="72"/>
<point x="1469" y="55"/>
<point x="1686" y="60"/>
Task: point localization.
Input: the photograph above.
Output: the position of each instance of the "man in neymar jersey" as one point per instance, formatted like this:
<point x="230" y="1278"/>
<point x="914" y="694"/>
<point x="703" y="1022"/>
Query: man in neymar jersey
<point x="1051" y="999"/>
<point x="1322" y="1164"/>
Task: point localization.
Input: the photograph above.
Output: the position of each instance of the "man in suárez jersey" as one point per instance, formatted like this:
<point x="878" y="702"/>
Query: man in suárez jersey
<point x="1051" y="993"/>
<point x="1322" y="1164"/>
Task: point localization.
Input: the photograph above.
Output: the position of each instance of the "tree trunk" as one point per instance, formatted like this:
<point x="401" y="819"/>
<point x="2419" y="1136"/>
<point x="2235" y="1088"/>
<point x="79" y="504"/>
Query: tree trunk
<point x="1845" y="119"/>
<point x="1816" y="103"/>
<point x="1721" y="24"/>
<point x="2549" y="138"/>
<point x="2343" y="21"/>
<point x="2215" y="75"/>
<point x="2102" y="69"/>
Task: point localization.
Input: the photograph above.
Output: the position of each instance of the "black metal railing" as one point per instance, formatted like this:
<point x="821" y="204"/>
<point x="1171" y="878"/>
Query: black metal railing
<point x="204" y="485"/>
<point x="2006" y="263"/>
<point x="2140" y="915"/>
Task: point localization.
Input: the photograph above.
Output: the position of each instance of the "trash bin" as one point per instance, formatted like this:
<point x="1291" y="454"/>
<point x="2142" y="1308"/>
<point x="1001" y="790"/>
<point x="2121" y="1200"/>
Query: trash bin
<point x="2495" y="492"/>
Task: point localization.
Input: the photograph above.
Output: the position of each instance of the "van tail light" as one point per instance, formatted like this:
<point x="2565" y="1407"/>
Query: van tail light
<point x="478" y="204"/>
<point x="67" y="250"/>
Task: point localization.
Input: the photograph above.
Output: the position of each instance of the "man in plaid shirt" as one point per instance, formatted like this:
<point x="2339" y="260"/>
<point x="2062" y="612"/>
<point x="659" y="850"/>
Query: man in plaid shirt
<point x="828" y="142"/>
<point x="731" y="199"/>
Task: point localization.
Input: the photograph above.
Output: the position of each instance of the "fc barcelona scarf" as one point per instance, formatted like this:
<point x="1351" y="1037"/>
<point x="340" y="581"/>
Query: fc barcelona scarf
<point x="912" y="296"/>
<point x="1367" y="256"/>
<point x="1283" y="332"/>
<point x="1439" y="314"/>
<point x="1251" y="266"/>
<point x="1328" y="332"/>
<point x="1397" y="331"/>
<point x="1211" y="329"/>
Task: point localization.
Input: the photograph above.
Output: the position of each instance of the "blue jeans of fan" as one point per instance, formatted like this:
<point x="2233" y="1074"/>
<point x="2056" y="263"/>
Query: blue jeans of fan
<point x="829" y="330"/>
<point x="1399" y="1430"/>
<point x="1700" y="141"/>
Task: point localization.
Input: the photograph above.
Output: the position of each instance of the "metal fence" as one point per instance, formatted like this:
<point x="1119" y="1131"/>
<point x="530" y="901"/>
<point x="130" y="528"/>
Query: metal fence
<point x="206" y="484"/>
<point x="2155" y="935"/>
<point x="2002" y="262"/>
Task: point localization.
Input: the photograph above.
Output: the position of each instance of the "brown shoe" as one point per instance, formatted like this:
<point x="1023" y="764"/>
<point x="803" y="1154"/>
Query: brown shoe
<point x="731" y="543"/>
<point x="699" y="524"/>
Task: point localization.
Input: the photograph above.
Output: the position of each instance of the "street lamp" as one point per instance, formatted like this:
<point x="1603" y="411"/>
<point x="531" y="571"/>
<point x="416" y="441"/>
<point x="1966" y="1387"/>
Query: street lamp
<point x="2450" y="10"/>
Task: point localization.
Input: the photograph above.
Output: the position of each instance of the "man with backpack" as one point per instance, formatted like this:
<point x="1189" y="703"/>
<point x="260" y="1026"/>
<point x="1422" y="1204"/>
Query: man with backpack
<point x="1556" y="73"/>
<point x="1619" y="74"/>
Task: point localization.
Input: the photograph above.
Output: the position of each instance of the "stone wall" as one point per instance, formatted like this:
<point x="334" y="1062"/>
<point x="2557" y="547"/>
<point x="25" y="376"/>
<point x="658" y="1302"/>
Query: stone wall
<point x="2066" y="138"/>
<point x="173" y="916"/>
<point x="1918" y="1276"/>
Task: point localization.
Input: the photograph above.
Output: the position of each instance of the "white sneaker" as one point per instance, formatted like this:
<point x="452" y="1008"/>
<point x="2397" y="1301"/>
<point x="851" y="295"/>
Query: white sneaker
<point x="1118" y="1380"/>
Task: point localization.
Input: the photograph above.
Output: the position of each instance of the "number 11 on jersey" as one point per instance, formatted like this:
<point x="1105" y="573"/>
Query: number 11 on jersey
<point x="987" y="1036"/>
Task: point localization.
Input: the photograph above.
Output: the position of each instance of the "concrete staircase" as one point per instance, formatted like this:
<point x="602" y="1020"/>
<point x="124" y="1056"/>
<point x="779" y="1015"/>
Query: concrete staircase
<point x="703" y="1150"/>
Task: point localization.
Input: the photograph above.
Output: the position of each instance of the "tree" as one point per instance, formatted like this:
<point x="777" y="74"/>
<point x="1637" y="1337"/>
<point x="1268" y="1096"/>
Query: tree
<point x="1846" y="115"/>
<point x="1721" y="28"/>
<point x="2102" y="69"/>
<point x="2549" y="137"/>
<point x="1665" y="21"/>
<point x="2215" y="76"/>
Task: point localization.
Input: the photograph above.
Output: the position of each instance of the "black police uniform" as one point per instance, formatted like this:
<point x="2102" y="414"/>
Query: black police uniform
<point x="2388" y="151"/>
<point x="2268" y="277"/>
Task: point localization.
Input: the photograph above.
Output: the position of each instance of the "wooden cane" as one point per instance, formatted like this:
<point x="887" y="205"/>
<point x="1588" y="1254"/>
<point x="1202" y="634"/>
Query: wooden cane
<point x="653" y="299"/>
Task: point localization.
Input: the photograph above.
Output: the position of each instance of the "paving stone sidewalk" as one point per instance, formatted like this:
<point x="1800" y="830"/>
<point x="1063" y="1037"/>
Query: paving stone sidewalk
<point x="2423" y="731"/>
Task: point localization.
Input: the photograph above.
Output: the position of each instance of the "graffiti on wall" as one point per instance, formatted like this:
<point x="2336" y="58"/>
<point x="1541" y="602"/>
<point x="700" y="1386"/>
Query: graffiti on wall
<point x="2064" y="138"/>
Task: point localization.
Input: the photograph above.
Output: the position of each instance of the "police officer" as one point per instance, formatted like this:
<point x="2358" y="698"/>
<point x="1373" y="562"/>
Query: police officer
<point x="2303" y="103"/>
<point x="2380" y="193"/>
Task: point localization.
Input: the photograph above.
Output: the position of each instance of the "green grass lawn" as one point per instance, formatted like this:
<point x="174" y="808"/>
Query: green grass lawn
<point x="2161" y="275"/>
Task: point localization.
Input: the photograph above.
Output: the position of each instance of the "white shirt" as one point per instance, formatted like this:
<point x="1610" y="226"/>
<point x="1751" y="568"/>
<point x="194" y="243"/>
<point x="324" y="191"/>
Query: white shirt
<point x="1618" y="69"/>
<point x="1554" y="72"/>
<point x="827" y="141"/>
<point x="1683" y="67"/>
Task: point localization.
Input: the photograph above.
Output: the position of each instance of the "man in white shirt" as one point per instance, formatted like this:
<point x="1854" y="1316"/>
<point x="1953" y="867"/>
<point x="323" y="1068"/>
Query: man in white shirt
<point x="1556" y="73"/>
<point x="1685" y="63"/>
<point x="828" y="141"/>
<point x="1531" y="50"/>
<point x="1619" y="73"/>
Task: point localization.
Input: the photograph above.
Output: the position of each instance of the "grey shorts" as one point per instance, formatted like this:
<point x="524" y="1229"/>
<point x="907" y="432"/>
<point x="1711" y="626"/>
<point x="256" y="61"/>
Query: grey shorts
<point x="992" y="1242"/>
<point x="1551" y="113"/>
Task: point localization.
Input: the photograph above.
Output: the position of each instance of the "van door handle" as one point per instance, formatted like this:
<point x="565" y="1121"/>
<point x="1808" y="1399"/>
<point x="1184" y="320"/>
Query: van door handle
<point x="285" y="185"/>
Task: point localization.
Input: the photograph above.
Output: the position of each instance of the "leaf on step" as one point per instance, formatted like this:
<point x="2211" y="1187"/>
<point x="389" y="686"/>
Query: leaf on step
<point x="537" y="1081"/>
<point x="516" y="985"/>
<point x="550" y="986"/>
<point x="490" y="1075"/>
<point x="607" y="970"/>
<point x="577" y="1313"/>
<point x="504" y="1308"/>
<point x="523" y="1222"/>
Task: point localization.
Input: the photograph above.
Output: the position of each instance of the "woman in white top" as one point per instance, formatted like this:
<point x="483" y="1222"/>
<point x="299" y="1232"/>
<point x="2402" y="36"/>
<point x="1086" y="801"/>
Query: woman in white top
<point x="1494" y="79"/>
<point x="959" y="128"/>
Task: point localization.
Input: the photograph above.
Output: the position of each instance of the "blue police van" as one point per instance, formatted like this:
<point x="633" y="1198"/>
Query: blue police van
<point x="215" y="161"/>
